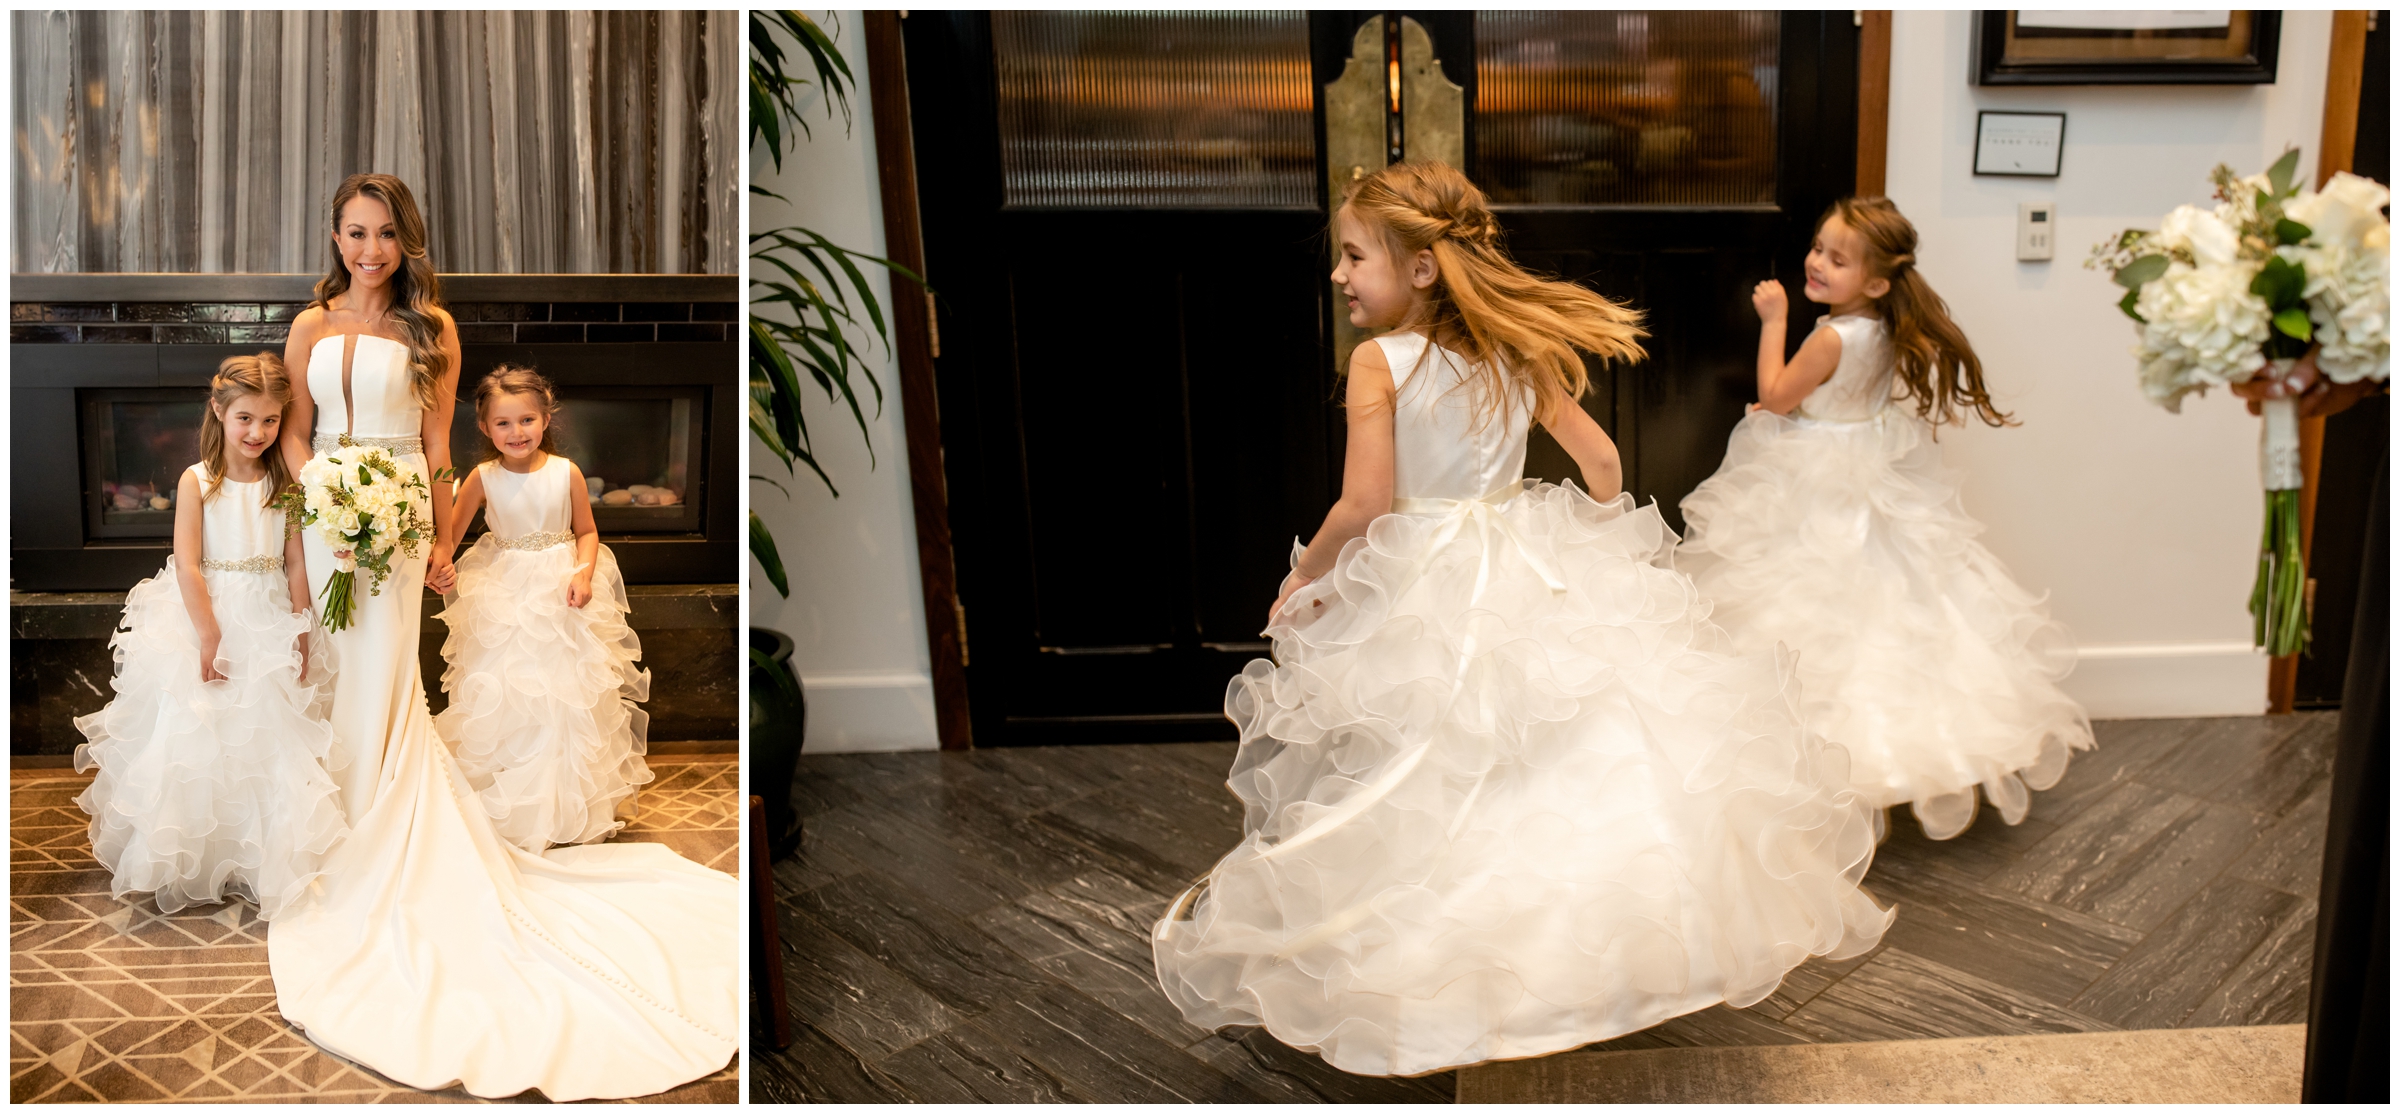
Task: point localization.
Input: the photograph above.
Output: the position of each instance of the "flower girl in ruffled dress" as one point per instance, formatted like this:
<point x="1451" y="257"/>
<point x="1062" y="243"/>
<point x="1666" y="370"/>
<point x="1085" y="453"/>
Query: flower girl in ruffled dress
<point x="1507" y="790"/>
<point x="543" y="687"/>
<point x="211" y="755"/>
<point x="1837" y="532"/>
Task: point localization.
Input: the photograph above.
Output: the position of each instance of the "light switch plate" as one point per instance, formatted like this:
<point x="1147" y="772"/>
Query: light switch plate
<point x="2037" y="230"/>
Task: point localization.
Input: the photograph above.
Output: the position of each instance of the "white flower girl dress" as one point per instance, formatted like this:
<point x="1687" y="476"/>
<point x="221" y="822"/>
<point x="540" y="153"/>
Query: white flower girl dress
<point x="1507" y="790"/>
<point x="543" y="696"/>
<point x="209" y="790"/>
<point x="1838" y="532"/>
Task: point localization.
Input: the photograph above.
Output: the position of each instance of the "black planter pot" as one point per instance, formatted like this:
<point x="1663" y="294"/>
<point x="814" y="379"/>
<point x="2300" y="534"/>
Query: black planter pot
<point x="778" y="724"/>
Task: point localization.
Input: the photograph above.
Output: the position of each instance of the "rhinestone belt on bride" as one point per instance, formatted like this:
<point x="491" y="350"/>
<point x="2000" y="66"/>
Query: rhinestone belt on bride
<point x="397" y="446"/>
<point x="261" y="563"/>
<point x="540" y="540"/>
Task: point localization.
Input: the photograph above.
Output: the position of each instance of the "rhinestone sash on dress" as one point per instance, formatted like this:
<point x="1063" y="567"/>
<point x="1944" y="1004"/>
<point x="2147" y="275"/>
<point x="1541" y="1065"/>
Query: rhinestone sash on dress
<point x="264" y="562"/>
<point x="397" y="446"/>
<point x="543" y="539"/>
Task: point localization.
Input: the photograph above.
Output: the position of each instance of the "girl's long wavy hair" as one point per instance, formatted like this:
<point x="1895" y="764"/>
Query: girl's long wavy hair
<point x="1934" y="362"/>
<point x="515" y="379"/>
<point x="1520" y="332"/>
<point x="416" y="288"/>
<point x="237" y="378"/>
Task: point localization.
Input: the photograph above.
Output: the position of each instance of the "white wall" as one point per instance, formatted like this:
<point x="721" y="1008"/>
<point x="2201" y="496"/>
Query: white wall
<point x="856" y="607"/>
<point x="2143" y="525"/>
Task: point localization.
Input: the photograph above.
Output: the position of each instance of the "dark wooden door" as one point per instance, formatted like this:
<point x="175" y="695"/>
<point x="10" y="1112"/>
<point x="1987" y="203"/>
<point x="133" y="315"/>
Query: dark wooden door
<point x="1137" y="391"/>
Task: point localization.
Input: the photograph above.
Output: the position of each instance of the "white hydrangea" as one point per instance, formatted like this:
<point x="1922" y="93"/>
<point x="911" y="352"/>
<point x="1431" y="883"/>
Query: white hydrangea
<point x="2349" y="261"/>
<point x="2202" y="328"/>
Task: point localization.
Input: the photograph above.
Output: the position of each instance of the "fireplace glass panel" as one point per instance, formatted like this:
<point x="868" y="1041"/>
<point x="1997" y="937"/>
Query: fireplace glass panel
<point x="638" y="449"/>
<point x="1650" y="108"/>
<point x="137" y="444"/>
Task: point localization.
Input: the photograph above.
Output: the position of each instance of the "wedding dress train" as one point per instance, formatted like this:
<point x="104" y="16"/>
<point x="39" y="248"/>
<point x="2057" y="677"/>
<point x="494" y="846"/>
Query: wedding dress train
<point x="436" y="953"/>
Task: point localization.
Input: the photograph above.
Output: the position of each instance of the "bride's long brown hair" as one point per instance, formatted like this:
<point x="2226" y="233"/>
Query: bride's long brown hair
<point x="416" y="288"/>
<point x="1935" y="364"/>
<point x="1515" y="328"/>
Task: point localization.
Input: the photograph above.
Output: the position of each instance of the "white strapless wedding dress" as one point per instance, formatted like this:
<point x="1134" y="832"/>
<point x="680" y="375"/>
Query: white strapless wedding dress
<point x="438" y="954"/>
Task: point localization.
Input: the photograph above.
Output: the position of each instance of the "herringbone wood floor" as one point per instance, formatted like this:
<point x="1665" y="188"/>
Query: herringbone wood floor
<point x="974" y="926"/>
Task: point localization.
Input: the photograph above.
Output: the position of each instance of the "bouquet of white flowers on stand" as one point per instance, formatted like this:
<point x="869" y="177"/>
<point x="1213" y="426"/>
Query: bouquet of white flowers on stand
<point x="359" y="502"/>
<point x="2242" y="290"/>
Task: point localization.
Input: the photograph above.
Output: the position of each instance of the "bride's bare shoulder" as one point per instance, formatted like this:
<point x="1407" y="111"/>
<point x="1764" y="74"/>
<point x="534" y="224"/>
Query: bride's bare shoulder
<point x="309" y="325"/>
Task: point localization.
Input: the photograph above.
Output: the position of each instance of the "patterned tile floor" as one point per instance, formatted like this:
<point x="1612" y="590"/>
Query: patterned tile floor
<point x="111" y="1000"/>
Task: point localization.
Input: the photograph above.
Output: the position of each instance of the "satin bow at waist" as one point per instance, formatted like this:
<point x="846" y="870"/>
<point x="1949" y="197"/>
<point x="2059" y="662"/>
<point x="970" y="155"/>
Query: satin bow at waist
<point x="1875" y="418"/>
<point x="1486" y="514"/>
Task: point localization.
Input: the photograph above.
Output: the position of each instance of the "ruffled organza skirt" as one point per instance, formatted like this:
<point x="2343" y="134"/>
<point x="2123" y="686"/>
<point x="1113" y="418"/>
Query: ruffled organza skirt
<point x="1486" y="819"/>
<point x="543" y="714"/>
<point x="1918" y="653"/>
<point x="217" y="789"/>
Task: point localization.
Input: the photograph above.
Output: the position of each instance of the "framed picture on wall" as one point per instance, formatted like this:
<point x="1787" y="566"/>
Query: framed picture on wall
<point x="2019" y="144"/>
<point x="2076" y="47"/>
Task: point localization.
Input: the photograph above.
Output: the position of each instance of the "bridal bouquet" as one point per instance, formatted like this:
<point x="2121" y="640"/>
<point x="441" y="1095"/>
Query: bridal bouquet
<point x="2241" y="290"/>
<point x="358" y="501"/>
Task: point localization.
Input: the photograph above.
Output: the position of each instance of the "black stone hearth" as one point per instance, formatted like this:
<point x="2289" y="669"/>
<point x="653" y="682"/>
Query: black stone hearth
<point x="60" y="664"/>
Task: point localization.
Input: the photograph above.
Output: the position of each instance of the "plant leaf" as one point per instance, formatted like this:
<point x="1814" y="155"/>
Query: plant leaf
<point x="2280" y="174"/>
<point x="2289" y="231"/>
<point x="2126" y="304"/>
<point x="2293" y="323"/>
<point x="2141" y="270"/>
<point x="762" y="547"/>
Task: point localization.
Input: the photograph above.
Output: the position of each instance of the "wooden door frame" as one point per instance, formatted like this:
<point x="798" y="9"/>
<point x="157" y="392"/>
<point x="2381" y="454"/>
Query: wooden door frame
<point x="2337" y="143"/>
<point x="1874" y="100"/>
<point x="914" y="345"/>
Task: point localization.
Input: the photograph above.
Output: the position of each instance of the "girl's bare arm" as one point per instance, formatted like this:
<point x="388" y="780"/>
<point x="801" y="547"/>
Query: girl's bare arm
<point x="190" y="546"/>
<point x="1594" y="452"/>
<point x="1366" y="469"/>
<point x="587" y="538"/>
<point x="1782" y="385"/>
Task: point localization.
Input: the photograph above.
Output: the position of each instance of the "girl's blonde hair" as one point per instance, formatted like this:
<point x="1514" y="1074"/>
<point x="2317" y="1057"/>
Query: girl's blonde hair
<point x="1519" y="331"/>
<point x="514" y="379"/>
<point x="238" y="378"/>
<point x="1933" y="361"/>
<point x="416" y="288"/>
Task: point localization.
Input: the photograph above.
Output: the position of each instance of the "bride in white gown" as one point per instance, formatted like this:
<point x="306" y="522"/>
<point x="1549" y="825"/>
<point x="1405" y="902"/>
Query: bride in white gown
<point x="432" y="951"/>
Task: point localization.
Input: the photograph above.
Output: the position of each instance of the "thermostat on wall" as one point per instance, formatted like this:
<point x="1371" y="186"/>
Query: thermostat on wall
<point x="2037" y="230"/>
<point x="2019" y="144"/>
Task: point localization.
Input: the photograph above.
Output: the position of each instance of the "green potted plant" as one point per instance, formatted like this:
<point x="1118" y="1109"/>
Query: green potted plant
<point x="825" y="294"/>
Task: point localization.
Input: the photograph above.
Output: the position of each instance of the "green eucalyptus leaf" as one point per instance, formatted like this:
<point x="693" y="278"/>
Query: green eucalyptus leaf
<point x="2280" y="174"/>
<point x="2293" y="323"/>
<point x="2289" y="231"/>
<point x="2141" y="270"/>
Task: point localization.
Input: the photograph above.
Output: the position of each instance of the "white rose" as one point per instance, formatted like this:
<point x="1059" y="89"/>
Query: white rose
<point x="347" y="523"/>
<point x="2211" y="241"/>
<point x="2342" y="212"/>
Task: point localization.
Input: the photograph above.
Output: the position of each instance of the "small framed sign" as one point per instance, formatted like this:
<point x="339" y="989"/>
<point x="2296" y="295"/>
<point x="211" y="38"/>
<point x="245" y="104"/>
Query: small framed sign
<point x="2019" y="144"/>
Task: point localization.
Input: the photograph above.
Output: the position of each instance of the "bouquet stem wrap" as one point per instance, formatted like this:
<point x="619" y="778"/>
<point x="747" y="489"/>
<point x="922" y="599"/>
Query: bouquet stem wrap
<point x="2278" y="598"/>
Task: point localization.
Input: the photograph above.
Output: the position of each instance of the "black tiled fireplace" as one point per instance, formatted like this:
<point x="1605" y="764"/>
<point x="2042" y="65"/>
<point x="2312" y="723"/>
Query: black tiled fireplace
<point x="109" y="373"/>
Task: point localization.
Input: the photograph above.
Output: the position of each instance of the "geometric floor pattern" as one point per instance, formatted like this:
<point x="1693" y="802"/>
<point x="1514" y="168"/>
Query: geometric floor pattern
<point x="113" y="1001"/>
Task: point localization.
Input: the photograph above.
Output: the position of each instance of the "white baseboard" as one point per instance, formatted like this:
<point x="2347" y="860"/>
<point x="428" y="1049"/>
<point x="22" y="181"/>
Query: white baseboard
<point x="856" y="713"/>
<point x="2155" y="680"/>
